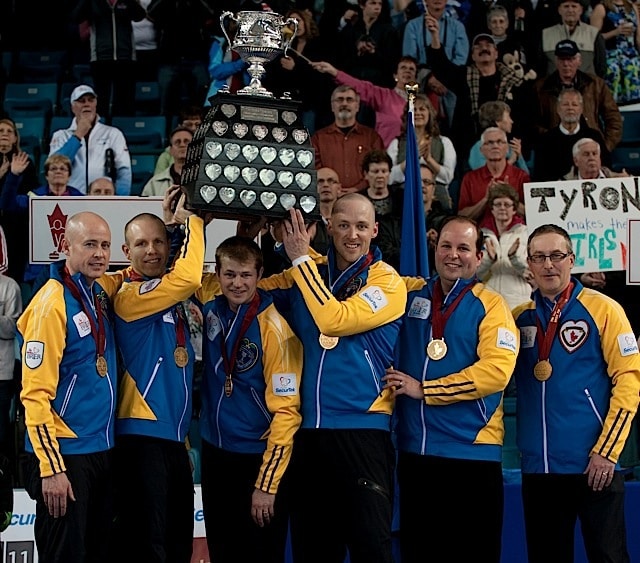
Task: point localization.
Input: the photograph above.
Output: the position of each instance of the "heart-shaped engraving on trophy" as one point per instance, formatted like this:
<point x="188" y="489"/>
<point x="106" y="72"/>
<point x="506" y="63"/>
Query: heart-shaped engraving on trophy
<point x="219" y="127"/>
<point x="260" y="131"/>
<point x="289" y="117"/>
<point x="285" y="178"/>
<point x="213" y="149"/>
<point x="268" y="199"/>
<point x="286" y="156"/>
<point x="208" y="193"/>
<point x="250" y="152"/>
<point x="212" y="170"/>
<point x="228" y="109"/>
<point x="227" y="194"/>
<point x="240" y="129"/>
<point x="267" y="176"/>
<point x="279" y="134"/>
<point x="299" y="136"/>
<point x="303" y="179"/>
<point x="249" y="174"/>
<point x="231" y="173"/>
<point x="232" y="150"/>
<point x="268" y="154"/>
<point x="287" y="201"/>
<point x="247" y="197"/>
<point x="304" y="157"/>
<point x="308" y="203"/>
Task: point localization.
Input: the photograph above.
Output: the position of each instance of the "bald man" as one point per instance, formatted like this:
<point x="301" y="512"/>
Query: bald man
<point x="69" y="380"/>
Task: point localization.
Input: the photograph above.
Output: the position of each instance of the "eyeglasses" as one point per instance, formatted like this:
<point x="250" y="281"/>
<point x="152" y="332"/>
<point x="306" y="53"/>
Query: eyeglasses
<point x="505" y="204"/>
<point x="497" y="142"/>
<point x="555" y="257"/>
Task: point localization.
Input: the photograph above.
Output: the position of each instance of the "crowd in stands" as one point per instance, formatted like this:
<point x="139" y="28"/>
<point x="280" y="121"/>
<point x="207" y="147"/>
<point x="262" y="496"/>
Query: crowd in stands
<point x="509" y="90"/>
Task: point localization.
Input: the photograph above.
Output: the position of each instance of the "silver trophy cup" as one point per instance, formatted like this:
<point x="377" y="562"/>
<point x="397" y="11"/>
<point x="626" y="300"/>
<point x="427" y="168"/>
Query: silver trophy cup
<point x="260" y="38"/>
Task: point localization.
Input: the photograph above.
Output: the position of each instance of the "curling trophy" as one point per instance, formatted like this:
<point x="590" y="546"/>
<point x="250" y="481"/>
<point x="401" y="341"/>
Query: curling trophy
<point x="252" y="156"/>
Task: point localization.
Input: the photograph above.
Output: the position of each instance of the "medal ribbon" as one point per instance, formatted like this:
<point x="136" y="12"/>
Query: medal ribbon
<point x="340" y="296"/>
<point x="252" y="311"/>
<point x="545" y="338"/>
<point x="438" y="318"/>
<point x="97" y="329"/>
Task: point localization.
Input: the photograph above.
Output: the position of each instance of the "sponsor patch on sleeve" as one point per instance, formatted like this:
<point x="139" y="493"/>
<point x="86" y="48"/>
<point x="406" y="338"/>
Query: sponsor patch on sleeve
<point x="33" y="353"/>
<point x="375" y="298"/>
<point x="528" y="336"/>
<point x="628" y="344"/>
<point x="83" y="325"/>
<point x="149" y="285"/>
<point x="284" y="384"/>
<point x="420" y="308"/>
<point x="506" y="340"/>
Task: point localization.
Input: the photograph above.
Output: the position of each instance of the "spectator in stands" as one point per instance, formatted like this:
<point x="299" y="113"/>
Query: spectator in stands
<point x="145" y="42"/>
<point x="571" y="26"/>
<point x="484" y="80"/>
<point x="183" y="50"/>
<point x="387" y="203"/>
<point x="90" y="144"/>
<point x="342" y="145"/>
<point x="435" y="150"/>
<point x="583" y="362"/>
<point x="368" y="47"/>
<point x="102" y="186"/>
<point x="295" y="74"/>
<point x="112" y="51"/>
<point x="444" y="435"/>
<point x="497" y="114"/>
<point x="16" y="229"/>
<point x="474" y="191"/>
<point x="387" y="103"/>
<point x="434" y="212"/>
<point x="226" y="68"/>
<point x="553" y="154"/>
<point x="328" y="192"/>
<point x="511" y="43"/>
<point x="190" y="117"/>
<point x="159" y="183"/>
<point x="599" y="108"/>
<point x="587" y="164"/>
<point x="478" y="20"/>
<point x="618" y="21"/>
<point x="504" y="257"/>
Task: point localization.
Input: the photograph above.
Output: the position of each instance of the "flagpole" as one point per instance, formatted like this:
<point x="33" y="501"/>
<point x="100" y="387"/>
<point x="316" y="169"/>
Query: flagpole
<point x="412" y="90"/>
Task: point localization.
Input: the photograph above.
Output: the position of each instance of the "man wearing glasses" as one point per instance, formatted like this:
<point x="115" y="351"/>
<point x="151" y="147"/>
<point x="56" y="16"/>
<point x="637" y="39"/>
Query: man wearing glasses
<point x="577" y="378"/>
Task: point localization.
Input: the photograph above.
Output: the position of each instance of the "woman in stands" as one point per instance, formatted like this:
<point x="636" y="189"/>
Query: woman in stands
<point x="15" y="227"/>
<point x="436" y="151"/>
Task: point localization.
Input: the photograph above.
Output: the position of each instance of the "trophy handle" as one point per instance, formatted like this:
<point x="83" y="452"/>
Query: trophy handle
<point x="223" y="17"/>
<point x="294" y="21"/>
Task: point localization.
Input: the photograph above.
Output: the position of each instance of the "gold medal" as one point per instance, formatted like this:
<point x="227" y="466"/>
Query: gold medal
<point x="437" y="349"/>
<point x="101" y="366"/>
<point x="328" y="342"/>
<point x="542" y="370"/>
<point x="228" y="386"/>
<point x="181" y="356"/>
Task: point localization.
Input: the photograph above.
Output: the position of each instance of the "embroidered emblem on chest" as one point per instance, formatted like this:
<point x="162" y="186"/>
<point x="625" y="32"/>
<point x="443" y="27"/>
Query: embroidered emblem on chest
<point x="573" y="334"/>
<point x="247" y="355"/>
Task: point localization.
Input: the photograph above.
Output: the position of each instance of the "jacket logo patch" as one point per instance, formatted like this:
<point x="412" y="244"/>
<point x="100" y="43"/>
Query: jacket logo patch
<point x="528" y="336"/>
<point x="149" y="285"/>
<point x="375" y="298"/>
<point x="213" y="325"/>
<point x="420" y="308"/>
<point x="82" y="323"/>
<point x="628" y="344"/>
<point x="247" y="355"/>
<point x="573" y="334"/>
<point x="284" y="384"/>
<point x="33" y="353"/>
<point x="507" y="340"/>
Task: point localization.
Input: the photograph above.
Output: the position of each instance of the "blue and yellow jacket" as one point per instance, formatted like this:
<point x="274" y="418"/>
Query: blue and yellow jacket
<point x="263" y="412"/>
<point x="342" y="387"/>
<point x="587" y="405"/>
<point x="69" y="407"/>
<point x="155" y="396"/>
<point x="461" y="415"/>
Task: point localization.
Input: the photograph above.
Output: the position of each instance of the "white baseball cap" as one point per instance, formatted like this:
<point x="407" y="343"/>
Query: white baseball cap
<point x="80" y="91"/>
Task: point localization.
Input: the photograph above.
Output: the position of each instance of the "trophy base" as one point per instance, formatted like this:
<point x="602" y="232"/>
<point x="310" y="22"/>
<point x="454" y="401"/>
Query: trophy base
<point x="253" y="91"/>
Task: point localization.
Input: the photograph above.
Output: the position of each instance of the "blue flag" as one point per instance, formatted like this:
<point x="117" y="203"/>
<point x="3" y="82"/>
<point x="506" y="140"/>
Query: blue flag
<point x="414" y="259"/>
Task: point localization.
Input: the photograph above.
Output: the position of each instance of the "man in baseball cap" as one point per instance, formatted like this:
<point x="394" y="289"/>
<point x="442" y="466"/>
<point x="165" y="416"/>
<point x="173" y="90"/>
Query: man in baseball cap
<point x="566" y="49"/>
<point x="80" y="91"/>
<point x="483" y="37"/>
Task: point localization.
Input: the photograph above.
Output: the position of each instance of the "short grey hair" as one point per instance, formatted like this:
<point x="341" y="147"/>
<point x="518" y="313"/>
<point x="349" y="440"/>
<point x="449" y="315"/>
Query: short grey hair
<point x="491" y="130"/>
<point x="583" y="141"/>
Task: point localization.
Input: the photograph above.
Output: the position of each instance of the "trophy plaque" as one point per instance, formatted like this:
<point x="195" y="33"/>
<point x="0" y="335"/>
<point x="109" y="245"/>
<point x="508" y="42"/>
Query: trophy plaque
<point x="252" y="156"/>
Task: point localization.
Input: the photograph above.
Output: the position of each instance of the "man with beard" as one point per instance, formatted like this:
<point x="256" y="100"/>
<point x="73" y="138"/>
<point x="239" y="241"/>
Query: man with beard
<point x="343" y="144"/>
